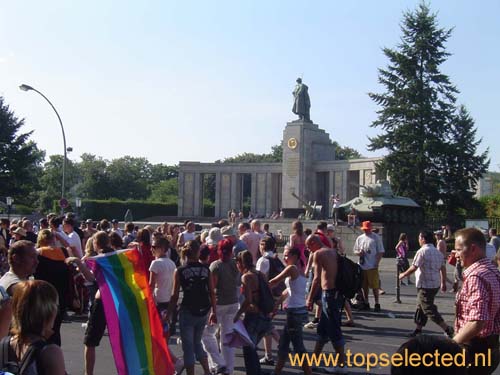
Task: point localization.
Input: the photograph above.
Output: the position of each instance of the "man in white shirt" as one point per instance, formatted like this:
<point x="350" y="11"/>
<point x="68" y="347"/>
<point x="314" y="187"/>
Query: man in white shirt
<point x="370" y="250"/>
<point x="430" y="268"/>
<point x="74" y="241"/>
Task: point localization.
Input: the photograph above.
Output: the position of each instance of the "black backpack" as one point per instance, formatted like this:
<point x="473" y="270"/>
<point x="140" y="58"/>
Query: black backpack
<point x="8" y="361"/>
<point x="349" y="277"/>
<point x="275" y="268"/>
<point x="266" y="300"/>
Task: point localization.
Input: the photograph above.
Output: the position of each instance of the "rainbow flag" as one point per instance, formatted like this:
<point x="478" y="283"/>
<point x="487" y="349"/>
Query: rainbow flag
<point x="134" y="326"/>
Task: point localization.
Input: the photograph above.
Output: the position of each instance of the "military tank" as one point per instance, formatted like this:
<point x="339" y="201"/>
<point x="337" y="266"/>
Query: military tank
<point x="379" y="204"/>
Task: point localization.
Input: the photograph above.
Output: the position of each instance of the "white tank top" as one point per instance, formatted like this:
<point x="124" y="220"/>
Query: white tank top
<point x="296" y="291"/>
<point x="188" y="236"/>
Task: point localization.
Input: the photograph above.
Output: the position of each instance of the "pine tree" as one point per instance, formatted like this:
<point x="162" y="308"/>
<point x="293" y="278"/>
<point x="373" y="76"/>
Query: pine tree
<point x="419" y="119"/>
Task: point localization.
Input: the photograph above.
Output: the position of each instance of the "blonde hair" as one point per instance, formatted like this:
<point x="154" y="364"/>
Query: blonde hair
<point x="34" y="303"/>
<point x="45" y="238"/>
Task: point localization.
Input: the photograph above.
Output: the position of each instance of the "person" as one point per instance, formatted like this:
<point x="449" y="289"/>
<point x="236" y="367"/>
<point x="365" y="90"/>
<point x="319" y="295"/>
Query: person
<point x="301" y="103"/>
<point x="143" y="243"/>
<point x="251" y="239"/>
<point x="225" y="279"/>
<point x="477" y="323"/>
<point x="96" y="324"/>
<point x="370" y="250"/>
<point x="195" y="281"/>
<point x="23" y="261"/>
<point x="269" y="265"/>
<point x="296" y="312"/>
<point x="425" y="347"/>
<point x="335" y="201"/>
<point x="430" y="268"/>
<point x="402" y="256"/>
<point x="321" y="232"/>
<point x="115" y="227"/>
<point x="28" y="227"/>
<point x="313" y="245"/>
<point x="229" y="233"/>
<point x="330" y="233"/>
<point x="298" y="241"/>
<point x="441" y="243"/>
<point x="329" y="327"/>
<point x="74" y="241"/>
<point x="34" y="308"/>
<point x="494" y="239"/>
<point x="161" y="283"/>
<point x="255" y="322"/>
<point x="187" y="235"/>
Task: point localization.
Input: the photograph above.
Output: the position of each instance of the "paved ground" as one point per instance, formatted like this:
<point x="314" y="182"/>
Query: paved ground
<point x="373" y="333"/>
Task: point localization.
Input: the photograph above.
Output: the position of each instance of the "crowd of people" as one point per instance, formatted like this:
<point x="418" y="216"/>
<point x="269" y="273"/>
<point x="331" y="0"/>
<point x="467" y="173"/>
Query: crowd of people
<point x="232" y="274"/>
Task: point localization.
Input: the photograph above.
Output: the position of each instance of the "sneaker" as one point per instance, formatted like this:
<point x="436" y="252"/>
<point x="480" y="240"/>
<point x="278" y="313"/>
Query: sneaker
<point x="415" y="333"/>
<point x="348" y="323"/>
<point x="179" y="366"/>
<point x="266" y="361"/>
<point x="311" y="325"/>
<point x="381" y="292"/>
<point x="377" y="307"/>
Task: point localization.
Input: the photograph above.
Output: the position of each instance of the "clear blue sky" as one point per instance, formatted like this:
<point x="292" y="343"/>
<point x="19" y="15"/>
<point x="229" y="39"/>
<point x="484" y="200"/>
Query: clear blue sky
<point x="186" y="80"/>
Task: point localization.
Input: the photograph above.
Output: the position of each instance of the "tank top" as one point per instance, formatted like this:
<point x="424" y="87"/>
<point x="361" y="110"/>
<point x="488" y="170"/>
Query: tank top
<point x="194" y="282"/>
<point x="188" y="236"/>
<point x="296" y="291"/>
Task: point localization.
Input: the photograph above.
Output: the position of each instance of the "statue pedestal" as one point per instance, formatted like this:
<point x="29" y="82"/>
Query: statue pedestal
<point x="304" y="143"/>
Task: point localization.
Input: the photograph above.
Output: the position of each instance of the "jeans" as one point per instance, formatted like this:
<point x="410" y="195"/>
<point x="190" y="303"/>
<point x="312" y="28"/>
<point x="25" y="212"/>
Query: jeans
<point x="292" y="332"/>
<point x="224" y="357"/>
<point x="329" y="322"/>
<point x="191" y="327"/>
<point x="257" y="325"/>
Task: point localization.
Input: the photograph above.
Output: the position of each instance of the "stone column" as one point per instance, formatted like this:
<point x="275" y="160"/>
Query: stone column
<point x="234" y="195"/>
<point x="180" y="195"/>
<point x="198" y="196"/>
<point x="218" y="212"/>
<point x="269" y="193"/>
<point x="253" y="193"/>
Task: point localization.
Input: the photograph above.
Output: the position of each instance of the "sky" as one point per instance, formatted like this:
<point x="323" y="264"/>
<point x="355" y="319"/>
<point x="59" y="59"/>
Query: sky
<point x="203" y="80"/>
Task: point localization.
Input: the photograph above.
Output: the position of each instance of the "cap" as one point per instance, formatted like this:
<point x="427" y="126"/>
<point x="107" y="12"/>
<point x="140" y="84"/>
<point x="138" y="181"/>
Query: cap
<point x="20" y="231"/>
<point x="114" y="221"/>
<point x="227" y="231"/>
<point x="89" y="221"/>
<point x="330" y="227"/>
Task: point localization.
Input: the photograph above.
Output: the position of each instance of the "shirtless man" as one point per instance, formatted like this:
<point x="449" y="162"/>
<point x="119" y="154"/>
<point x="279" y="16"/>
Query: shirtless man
<point x="325" y="273"/>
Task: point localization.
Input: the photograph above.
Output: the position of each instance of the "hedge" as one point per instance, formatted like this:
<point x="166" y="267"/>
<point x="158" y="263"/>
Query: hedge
<point x="114" y="209"/>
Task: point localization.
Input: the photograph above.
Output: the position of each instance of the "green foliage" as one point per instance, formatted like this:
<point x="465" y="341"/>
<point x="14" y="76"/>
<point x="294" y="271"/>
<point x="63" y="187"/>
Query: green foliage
<point x="165" y="191"/>
<point x="345" y="153"/>
<point x="431" y="144"/>
<point x="20" y="159"/>
<point x="491" y="204"/>
<point x="115" y="209"/>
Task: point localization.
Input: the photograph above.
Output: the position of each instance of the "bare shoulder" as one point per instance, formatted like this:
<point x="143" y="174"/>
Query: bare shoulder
<point x="52" y="360"/>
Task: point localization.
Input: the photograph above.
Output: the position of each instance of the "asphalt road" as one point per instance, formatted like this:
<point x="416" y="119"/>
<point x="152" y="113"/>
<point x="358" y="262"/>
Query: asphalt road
<point x="377" y="333"/>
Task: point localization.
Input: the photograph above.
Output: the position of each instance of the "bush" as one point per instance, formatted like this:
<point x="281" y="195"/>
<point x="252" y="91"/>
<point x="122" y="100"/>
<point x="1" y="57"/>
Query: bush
<point x="115" y="209"/>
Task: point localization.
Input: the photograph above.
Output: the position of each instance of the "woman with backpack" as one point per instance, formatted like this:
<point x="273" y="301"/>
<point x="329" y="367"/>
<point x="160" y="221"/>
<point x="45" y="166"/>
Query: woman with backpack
<point x="256" y="321"/>
<point x="198" y="297"/>
<point x="34" y="306"/>
<point x="296" y="312"/>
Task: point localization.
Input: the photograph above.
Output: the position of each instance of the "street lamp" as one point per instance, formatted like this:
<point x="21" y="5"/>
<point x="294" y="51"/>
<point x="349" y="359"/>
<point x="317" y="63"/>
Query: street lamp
<point x="78" y="202"/>
<point x="28" y="88"/>
<point x="9" y="200"/>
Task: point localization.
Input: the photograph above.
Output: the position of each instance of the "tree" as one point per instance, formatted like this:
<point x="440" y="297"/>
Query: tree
<point x="51" y="181"/>
<point x="463" y="168"/>
<point x="418" y="114"/>
<point x="129" y="177"/>
<point x="345" y="153"/>
<point x="94" y="182"/>
<point x="165" y="191"/>
<point x="20" y="158"/>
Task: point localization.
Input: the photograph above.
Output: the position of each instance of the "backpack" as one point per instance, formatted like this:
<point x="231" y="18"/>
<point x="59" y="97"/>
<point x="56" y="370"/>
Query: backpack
<point x="275" y="268"/>
<point x="9" y="364"/>
<point x="266" y="300"/>
<point x="349" y="277"/>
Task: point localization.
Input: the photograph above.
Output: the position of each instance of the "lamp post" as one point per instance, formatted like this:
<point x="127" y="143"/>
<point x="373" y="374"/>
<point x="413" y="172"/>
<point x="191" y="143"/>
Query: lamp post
<point x="9" y="200"/>
<point x="78" y="202"/>
<point x="29" y="88"/>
